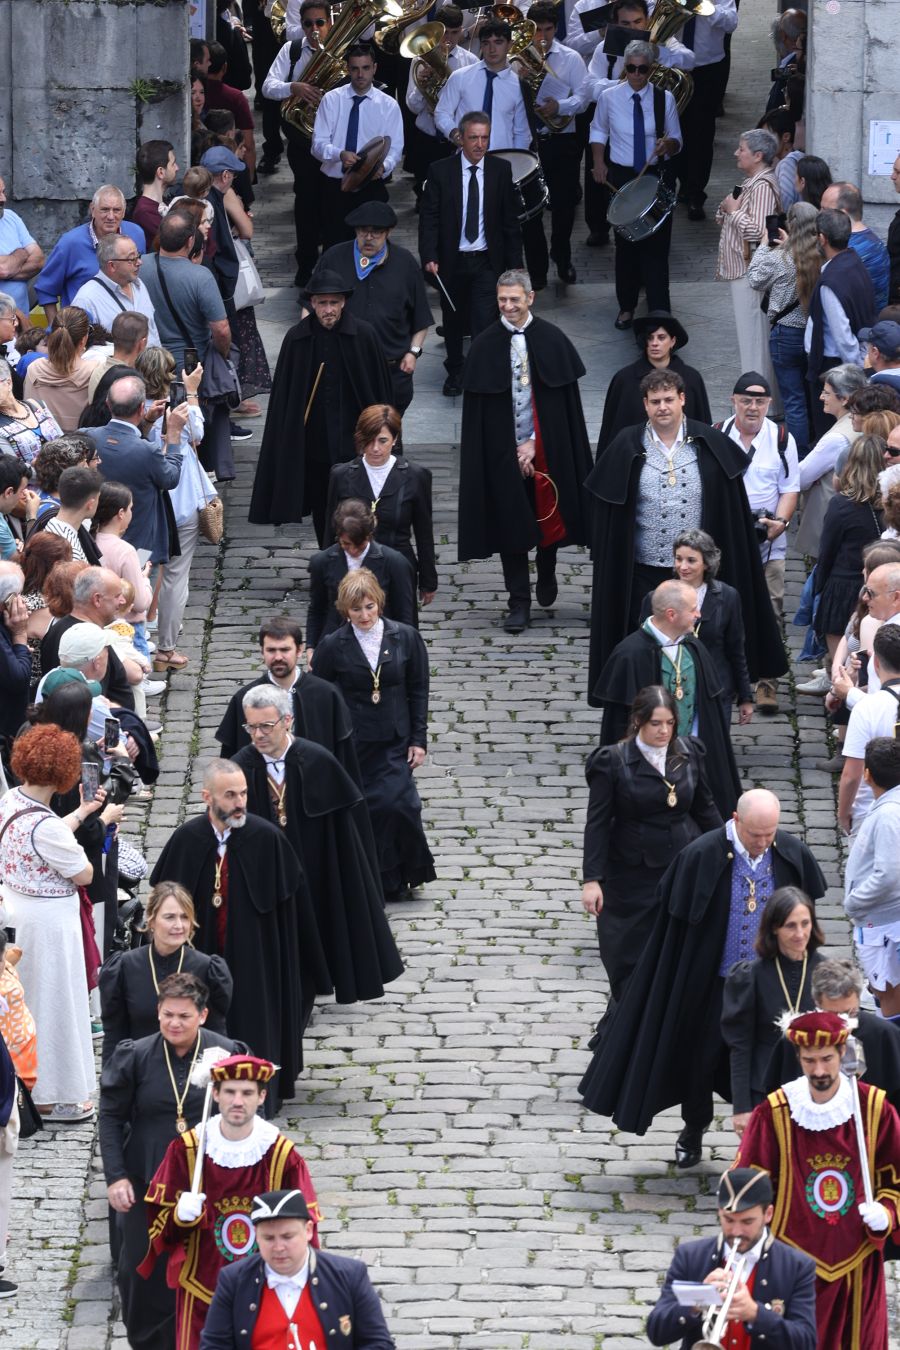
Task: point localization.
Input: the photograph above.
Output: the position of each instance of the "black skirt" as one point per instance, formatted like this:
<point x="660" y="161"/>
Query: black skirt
<point x="404" y="858"/>
<point x="624" y="924"/>
<point x="839" y="598"/>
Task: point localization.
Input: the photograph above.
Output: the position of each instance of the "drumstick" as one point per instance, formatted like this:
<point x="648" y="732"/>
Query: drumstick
<point x="437" y="278"/>
<point x="313" y="394"/>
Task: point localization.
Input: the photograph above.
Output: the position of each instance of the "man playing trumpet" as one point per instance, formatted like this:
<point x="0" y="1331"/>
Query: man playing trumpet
<point x="766" y="1290"/>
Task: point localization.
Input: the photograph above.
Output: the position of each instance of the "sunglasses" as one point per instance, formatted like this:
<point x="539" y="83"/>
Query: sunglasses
<point x="636" y="70"/>
<point x="314" y="23"/>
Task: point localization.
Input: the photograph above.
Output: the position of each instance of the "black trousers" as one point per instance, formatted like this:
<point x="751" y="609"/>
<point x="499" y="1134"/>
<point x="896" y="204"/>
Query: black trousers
<point x="264" y="50"/>
<point x="516" y="576"/>
<point x="318" y="473"/>
<point x="473" y="291"/>
<point x="596" y="195"/>
<point x="309" y="182"/>
<point x="560" y="157"/>
<point x="337" y="206"/>
<point x="402" y="385"/>
<point x="148" y="1306"/>
<point x="698" y="128"/>
<point x="643" y="266"/>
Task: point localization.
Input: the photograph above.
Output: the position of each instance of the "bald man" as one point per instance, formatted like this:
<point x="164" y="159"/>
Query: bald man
<point x="663" y="1046"/>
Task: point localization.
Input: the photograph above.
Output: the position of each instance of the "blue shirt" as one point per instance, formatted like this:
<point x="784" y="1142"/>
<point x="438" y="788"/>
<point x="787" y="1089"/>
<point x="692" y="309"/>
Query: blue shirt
<point x="7" y="540"/>
<point x="13" y="235"/>
<point x="874" y="255"/>
<point x="73" y="261"/>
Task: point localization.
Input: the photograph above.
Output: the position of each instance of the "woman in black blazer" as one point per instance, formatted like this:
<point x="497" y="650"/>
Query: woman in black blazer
<point x="354" y="526"/>
<point x="398" y="491"/>
<point x="721" y="626"/>
<point x="757" y="993"/>
<point x="649" y="797"/>
<point x="381" y="668"/>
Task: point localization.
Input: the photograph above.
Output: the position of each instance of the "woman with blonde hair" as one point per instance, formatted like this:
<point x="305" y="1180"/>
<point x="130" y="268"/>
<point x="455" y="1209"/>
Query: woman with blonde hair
<point x="60" y="379"/>
<point x="381" y="668"/>
<point x="852" y="520"/>
<point x="786" y="272"/>
<point x="129" y="981"/>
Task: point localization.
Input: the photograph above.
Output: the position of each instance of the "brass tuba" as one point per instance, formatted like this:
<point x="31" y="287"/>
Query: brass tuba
<point x="277" y="18"/>
<point x="535" y="68"/>
<point x="523" y="30"/>
<point x="431" y="70"/>
<point x="327" y="68"/>
<point x="388" y="39"/>
<point x="669" y="17"/>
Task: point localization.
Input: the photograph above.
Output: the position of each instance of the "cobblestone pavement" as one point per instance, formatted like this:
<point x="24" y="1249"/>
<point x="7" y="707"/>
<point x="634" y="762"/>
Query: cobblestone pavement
<point x="442" y="1124"/>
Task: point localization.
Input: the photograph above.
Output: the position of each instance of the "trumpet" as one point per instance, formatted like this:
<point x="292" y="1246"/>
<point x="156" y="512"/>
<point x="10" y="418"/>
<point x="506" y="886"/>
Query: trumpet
<point x="716" y="1319"/>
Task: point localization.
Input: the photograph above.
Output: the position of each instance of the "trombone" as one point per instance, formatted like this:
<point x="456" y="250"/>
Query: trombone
<point x="716" y="1319"/>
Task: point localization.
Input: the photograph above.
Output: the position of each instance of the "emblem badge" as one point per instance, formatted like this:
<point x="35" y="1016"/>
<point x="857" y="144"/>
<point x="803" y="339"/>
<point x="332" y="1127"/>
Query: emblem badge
<point x="345" y="1325"/>
<point x="777" y="1306"/>
<point x="829" y="1186"/>
<point x="234" y="1232"/>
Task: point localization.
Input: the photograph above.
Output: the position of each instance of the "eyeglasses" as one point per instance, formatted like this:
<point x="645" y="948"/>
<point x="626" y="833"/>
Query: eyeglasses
<point x="870" y="594"/>
<point x="636" y="70"/>
<point x="130" y="258"/>
<point x="314" y="23"/>
<point x="255" y="727"/>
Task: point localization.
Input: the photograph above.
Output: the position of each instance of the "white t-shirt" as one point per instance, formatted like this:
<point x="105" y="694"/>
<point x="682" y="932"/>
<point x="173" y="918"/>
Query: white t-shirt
<point x="874" y="715"/>
<point x="765" y="479"/>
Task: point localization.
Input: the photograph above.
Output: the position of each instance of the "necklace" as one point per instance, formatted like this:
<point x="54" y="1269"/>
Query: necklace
<point x="676" y="666"/>
<point x="153" y="968"/>
<point x="376" y="684"/>
<point x="217" y="883"/>
<point x="791" y="1007"/>
<point x="672" y="799"/>
<point x="278" y="790"/>
<point x="180" y="1121"/>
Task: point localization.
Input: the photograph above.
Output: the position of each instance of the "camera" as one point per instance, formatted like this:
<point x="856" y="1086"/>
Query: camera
<point x="761" y="520"/>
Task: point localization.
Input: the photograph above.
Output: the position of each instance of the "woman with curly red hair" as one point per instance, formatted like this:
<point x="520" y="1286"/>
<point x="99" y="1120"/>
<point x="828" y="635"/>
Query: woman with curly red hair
<point x="41" y="867"/>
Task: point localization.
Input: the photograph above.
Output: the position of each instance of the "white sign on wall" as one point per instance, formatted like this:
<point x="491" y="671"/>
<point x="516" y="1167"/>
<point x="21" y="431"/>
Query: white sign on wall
<point x="884" y="147"/>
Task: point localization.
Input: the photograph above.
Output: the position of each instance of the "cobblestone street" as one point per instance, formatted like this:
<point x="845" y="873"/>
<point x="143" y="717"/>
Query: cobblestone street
<point x="442" y="1125"/>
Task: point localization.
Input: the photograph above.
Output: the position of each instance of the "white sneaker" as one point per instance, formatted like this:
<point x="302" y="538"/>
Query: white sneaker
<point x="819" y="684"/>
<point x="151" y="646"/>
<point x="153" y="687"/>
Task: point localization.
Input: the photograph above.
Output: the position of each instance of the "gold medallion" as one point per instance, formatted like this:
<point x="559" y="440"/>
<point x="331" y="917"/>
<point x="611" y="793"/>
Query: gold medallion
<point x="376" y="695"/>
<point x="751" y="906"/>
<point x="217" y="901"/>
<point x="181" y="1124"/>
<point x="282" y="819"/>
<point x="672" y="799"/>
<point x="679" y="693"/>
<point x="672" y="480"/>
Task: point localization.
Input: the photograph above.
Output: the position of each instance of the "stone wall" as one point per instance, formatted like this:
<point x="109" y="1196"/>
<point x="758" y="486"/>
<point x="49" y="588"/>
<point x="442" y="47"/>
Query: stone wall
<point x="852" y="81"/>
<point x="82" y="83"/>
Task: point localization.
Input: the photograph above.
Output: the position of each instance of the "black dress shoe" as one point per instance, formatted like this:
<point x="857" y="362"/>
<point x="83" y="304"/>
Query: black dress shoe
<point x="624" y="321"/>
<point x="267" y="166"/>
<point x="539" y="284"/>
<point x="597" y="239"/>
<point x="567" y="274"/>
<point x="546" y="592"/>
<point x="452" y="387"/>
<point x="518" y="619"/>
<point x="696" y="211"/>
<point x="689" y="1147"/>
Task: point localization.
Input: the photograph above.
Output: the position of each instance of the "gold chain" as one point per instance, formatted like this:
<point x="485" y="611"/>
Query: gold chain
<point x="153" y="968"/>
<point x="180" y="1122"/>
<point x="787" y="998"/>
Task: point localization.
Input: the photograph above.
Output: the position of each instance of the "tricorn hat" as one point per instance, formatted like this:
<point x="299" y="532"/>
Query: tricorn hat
<point x="744" y="1188"/>
<point x="279" y="1205"/>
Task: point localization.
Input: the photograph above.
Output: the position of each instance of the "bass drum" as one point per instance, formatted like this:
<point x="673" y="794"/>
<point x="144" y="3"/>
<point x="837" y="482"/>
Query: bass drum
<point x="528" y="181"/>
<point x="639" y="208"/>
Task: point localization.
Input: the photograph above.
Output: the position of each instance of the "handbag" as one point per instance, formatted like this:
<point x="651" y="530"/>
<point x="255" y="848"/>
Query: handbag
<point x="220" y="383"/>
<point x="248" y="289"/>
<point x="29" y="1116"/>
<point x="211" y="520"/>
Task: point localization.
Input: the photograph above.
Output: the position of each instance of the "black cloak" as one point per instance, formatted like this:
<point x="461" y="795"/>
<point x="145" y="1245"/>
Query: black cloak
<point x="636" y="663"/>
<point x="261" y="939"/>
<point x="320" y="715"/>
<point x="496" y="514"/>
<point x="726" y="516"/>
<point x="624" y="405"/>
<point x="279" y="488"/>
<point x="881" y="1046"/>
<point x="660" y="1035"/>
<point x="325" y="813"/>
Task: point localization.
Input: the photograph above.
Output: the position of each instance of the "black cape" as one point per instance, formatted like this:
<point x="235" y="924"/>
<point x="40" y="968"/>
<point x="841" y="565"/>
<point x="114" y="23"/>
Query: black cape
<point x="496" y="513"/>
<point x="264" y="878"/>
<point x="279" y="488"/>
<point x="636" y="663"/>
<point x="624" y="405"/>
<point x="320" y="715"/>
<point x="660" y="1033"/>
<point x="881" y="1045"/>
<point x="726" y="516"/>
<point x="326" y="813"/>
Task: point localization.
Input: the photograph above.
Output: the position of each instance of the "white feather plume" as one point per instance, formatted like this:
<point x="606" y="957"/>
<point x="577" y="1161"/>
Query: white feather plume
<point x="207" y="1061"/>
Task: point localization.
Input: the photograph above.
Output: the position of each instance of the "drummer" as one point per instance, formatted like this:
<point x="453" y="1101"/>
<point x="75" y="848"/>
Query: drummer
<point x="643" y="265"/>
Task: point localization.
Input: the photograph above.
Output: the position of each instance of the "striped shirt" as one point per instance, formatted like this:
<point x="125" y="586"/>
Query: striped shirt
<point x="747" y="225"/>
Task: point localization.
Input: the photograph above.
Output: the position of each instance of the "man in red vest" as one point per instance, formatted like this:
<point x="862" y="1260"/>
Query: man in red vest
<point x="291" y="1294"/>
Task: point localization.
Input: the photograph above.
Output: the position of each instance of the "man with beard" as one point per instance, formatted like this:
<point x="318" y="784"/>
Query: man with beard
<point x="330" y="367"/>
<point x="248" y="889"/>
<point x="663" y="1044"/>
<point x="208" y="1229"/>
<point x="524" y="450"/>
<point x="303" y="790"/>
<point x="651" y="482"/>
<point x="805" y="1137"/>
<point x="319" y="711"/>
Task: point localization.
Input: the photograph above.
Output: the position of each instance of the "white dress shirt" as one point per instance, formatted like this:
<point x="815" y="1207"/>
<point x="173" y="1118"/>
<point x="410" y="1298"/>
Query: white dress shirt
<point x="378" y="474"/>
<point x="464" y="92"/>
<point x="750" y="1257"/>
<point x="95" y="299"/>
<point x="369" y="640"/>
<point x="765" y="479"/>
<point x="289" y="1288"/>
<point x="568" y="84"/>
<point x="655" y="755"/>
<point x="478" y="245"/>
<point x="379" y="115"/>
<point x="458" y="59"/>
<point x="614" y="122"/>
<point x="709" y="34"/>
<point x="355" y="562"/>
<point x="277" y="83"/>
<point x="576" y="38"/>
<point x="606" y="71"/>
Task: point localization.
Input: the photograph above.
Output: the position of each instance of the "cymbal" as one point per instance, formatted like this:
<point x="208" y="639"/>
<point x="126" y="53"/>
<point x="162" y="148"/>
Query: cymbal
<point x="371" y="155"/>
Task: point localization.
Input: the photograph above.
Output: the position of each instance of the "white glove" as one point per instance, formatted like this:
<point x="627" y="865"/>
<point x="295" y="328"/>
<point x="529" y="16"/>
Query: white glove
<point x="875" y="1216"/>
<point x="190" y="1206"/>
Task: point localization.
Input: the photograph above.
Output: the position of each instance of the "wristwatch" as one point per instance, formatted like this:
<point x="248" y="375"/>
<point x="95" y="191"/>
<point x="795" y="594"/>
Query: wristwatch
<point x="416" y="352"/>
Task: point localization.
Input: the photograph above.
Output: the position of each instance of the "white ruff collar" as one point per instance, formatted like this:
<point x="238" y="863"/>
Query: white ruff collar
<point x="239" y="1152"/>
<point x="810" y="1115"/>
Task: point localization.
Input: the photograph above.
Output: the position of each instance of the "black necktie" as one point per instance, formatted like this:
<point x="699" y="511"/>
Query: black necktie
<point x="471" y="229"/>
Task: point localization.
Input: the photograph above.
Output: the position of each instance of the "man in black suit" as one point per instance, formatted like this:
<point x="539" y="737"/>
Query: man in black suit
<point x="468" y="248"/>
<point x="775" y="1295"/>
